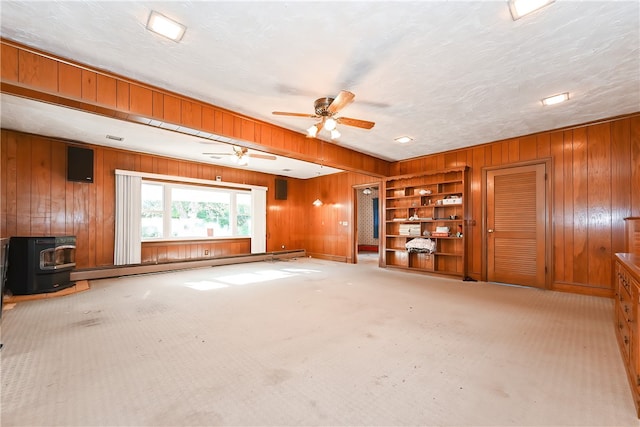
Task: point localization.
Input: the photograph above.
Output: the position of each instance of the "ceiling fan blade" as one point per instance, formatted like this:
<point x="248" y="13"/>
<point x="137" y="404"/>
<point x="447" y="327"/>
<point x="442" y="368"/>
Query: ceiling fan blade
<point x="355" y="122"/>
<point x="343" y="99"/>
<point x="283" y="113"/>
<point x="262" y="156"/>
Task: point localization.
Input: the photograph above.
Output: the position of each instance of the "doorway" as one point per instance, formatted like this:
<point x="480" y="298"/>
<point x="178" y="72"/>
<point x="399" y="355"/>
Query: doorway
<point x="516" y="228"/>
<point x="367" y="224"/>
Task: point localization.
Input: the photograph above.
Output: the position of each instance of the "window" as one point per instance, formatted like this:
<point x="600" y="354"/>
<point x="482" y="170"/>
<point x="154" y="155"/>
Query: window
<point x="152" y="210"/>
<point x="178" y="211"/>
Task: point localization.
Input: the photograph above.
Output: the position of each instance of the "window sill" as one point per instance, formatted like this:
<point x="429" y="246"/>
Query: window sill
<point x="183" y="240"/>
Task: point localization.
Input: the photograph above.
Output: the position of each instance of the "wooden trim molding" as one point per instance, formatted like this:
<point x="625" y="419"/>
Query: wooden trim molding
<point x="183" y="179"/>
<point x="37" y="75"/>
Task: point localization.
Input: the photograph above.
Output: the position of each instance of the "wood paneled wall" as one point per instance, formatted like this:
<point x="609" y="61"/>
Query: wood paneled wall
<point x="321" y="229"/>
<point x="595" y="184"/>
<point x="30" y="73"/>
<point x="595" y="176"/>
<point x="38" y="200"/>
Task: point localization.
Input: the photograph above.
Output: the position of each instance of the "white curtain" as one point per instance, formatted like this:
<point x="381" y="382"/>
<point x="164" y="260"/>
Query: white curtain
<point x="259" y="220"/>
<point x="128" y="244"/>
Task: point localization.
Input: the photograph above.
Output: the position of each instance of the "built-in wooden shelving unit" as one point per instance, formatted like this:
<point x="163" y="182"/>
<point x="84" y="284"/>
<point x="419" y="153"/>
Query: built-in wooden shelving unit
<point x="417" y="206"/>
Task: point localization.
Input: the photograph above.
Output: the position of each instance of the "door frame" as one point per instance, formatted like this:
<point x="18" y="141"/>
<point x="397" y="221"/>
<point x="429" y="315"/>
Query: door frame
<point x="548" y="229"/>
<point x="354" y="220"/>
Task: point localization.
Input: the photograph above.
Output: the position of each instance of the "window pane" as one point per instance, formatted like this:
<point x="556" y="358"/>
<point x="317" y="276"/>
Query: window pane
<point x="243" y="209"/>
<point x="152" y="226"/>
<point x="199" y="213"/>
<point x="152" y="211"/>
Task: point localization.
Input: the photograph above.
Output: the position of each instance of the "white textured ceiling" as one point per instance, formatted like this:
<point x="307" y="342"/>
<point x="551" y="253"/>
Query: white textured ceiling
<point x="448" y="74"/>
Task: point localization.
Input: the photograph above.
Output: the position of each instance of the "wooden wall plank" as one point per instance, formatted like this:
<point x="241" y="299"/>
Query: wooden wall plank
<point x="9" y="149"/>
<point x="97" y="232"/>
<point x="450" y="159"/>
<point x="218" y="122"/>
<point x="620" y="176"/>
<point x="37" y="71"/>
<point x="141" y="100"/>
<point x="247" y="131"/>
<point x="514" y="150"/>
<point x="208" y="119"/>
<point x="527" y="148"/>
<point x="496" y="154"/>
<point x="40" y="191"/>
<point x="122" y="95"/>
<point x="580" y="206"/>
<point x="599" y="205"/>
<point x="108" y="180"/>
<point x="89" y="86"/>
<point x="556" y="145"/>
<point x="3" y="188"/>
<point x="69" y="208"/>
<point x="69" y="80"/>
<point x="23" y="187"/>
<point x="475" y="185"/>
<point x="81" y="223"/>
<point x="106" y="90"/>
<point x="172" y="109"/>
<point x="237" y="126"/>
<point x="157" y="100"/>
<point x="9" y="63"/>
<point x="543" y="141"/>
<point x="227" y="124"/>
<point x="191" y="114"/>
<point x="635" y="161"/>
<point x="567" y="186"/>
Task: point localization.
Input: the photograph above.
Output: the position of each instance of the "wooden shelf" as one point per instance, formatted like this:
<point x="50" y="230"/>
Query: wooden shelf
<point x="402" y="200"/>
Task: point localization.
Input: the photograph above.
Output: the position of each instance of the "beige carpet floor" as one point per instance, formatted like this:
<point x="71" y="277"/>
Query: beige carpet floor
<point x="311" y="342"/>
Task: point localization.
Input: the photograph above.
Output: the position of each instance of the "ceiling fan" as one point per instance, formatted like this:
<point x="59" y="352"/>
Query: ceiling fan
<point x="325" y="110"/>
<point x="241" y="155"/>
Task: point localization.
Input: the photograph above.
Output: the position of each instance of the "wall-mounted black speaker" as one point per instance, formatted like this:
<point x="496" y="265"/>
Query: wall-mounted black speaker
<point x="281" y="189"/>
<point x="79" y="164"/>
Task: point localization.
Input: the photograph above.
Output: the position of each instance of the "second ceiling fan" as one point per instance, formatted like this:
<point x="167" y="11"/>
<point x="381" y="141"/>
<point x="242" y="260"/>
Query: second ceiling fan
<point x="326" y="110"/>
<point x="241" y="155"/>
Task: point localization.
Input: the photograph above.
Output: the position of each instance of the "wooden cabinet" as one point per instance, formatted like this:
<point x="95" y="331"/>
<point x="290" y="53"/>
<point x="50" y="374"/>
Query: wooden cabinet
<point x="627" y="300"/>
<point x="430" y="205"/>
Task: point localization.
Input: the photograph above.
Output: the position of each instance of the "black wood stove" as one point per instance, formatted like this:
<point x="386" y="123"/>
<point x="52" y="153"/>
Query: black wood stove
<point x="40" y="264"/>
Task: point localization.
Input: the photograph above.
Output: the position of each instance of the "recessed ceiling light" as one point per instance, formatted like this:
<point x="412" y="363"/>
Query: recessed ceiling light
<point x="403" y="139"/>
<point x="166" y="27"/>
<point x="520" y="8"/>
<point x="556" y="99"/>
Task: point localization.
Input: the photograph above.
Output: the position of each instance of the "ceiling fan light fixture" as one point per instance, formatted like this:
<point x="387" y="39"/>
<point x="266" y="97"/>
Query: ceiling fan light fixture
<point x="520" y="8"/>
<point x="330" y="124"/>
<point x="243" y="161"/>
<point x="312" y="131"/>
<point x="555" y="99"/>
<point x="335" y="134"/>
<point x="166" y="27"/>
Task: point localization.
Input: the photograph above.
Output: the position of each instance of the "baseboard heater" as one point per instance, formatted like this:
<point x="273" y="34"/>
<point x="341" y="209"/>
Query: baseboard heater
<point x="129" y="270"/>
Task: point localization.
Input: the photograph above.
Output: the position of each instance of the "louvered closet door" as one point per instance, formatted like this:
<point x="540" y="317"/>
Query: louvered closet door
<point x="516" y="225"/>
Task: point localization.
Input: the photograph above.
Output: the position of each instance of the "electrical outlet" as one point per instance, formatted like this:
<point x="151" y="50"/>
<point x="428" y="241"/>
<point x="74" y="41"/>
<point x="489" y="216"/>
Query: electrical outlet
<point x="206" y="252"/>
